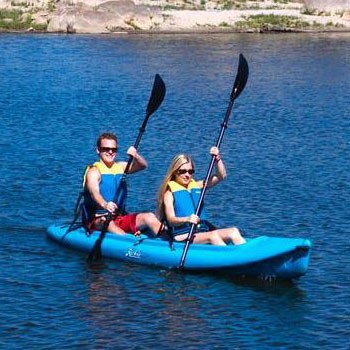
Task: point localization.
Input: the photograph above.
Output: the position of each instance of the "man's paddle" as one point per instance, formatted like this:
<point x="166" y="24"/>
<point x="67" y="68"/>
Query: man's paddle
<point x="238" y="86"/>
<point x="157" y="96"/>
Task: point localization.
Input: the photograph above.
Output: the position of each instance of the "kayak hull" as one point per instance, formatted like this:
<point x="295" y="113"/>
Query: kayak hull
<point x="285" y="258"/>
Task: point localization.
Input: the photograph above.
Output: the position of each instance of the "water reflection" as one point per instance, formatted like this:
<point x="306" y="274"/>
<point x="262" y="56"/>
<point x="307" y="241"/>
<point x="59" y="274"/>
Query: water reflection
<point x="169" y="304"/>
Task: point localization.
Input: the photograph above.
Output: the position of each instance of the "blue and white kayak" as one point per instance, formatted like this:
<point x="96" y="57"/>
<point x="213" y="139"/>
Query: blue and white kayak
<point x="264" y="256"/>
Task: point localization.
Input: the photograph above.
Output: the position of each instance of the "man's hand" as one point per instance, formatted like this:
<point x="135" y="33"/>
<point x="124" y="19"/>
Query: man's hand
<point x="111" y="207"/>
<point x="132" y="151"/>
<point x="139" y="163"/>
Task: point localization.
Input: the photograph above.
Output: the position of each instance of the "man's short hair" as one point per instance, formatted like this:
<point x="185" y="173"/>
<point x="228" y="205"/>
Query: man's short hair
<point x="108" y="136"/>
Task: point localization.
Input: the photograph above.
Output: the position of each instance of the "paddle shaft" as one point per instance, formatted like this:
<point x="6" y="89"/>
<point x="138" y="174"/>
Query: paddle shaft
<point x="205" y="185"/>
<point x="157" y="96"/>
<point x="238" y="86"/>
<point x="128" y="165"/>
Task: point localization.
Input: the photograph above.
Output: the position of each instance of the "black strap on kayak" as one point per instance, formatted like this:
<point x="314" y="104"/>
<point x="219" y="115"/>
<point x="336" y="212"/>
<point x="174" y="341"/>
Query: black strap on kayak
<point x="120" y="197"/>
<point x="210" y="226"/>
<point x="80" y="208"/>
<point x="163" y="231"/>
<point x="166" y="230"/>
<point x="77" y="211"/>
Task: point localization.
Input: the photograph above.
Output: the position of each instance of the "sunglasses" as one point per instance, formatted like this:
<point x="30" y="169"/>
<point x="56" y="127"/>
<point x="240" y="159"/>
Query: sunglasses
<point x="184" y="171"/>
<point x="108" y="149"/>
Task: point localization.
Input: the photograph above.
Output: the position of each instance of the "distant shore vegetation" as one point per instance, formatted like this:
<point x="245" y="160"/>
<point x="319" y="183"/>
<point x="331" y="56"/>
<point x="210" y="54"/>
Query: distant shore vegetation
<point x="262" y="21"/>
<point x="271" y="21"/>
<point x="18" y="20"/>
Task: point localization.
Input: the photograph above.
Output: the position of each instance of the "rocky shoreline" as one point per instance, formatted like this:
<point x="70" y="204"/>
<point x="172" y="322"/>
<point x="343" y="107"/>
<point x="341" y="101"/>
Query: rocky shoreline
<point x="174" y="16"/>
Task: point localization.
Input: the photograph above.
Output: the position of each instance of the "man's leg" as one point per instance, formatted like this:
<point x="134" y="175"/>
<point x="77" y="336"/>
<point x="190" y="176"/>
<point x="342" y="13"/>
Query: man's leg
<point x="148" y="220"/>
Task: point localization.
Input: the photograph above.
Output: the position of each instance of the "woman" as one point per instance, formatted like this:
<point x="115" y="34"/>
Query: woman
<point x="178" y="198"/>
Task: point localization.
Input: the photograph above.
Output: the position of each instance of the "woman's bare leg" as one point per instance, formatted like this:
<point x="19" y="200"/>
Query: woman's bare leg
<point x="211" y="237"/>
<point x="231" y="234"/>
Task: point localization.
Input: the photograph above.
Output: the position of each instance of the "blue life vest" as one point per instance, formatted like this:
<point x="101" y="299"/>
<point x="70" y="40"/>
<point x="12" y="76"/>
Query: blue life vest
<point x="185" y="202"/>
<point x="109" y="184"/>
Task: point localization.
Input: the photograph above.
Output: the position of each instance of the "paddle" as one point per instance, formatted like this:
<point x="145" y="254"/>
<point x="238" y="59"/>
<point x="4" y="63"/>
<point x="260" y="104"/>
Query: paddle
<point x="157" y="96"/>
<point x="238" y="86"/>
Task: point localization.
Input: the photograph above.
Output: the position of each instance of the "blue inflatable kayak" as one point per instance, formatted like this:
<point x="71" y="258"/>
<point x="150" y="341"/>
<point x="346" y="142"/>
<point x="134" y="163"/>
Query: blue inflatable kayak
<point x="262" y="256"/>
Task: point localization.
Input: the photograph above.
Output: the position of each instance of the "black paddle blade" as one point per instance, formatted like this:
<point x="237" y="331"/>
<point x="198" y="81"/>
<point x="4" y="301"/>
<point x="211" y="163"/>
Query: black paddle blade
<point x="95" y="254"/>
<point x="241" y="77"/>
<point x="157" y="95"/>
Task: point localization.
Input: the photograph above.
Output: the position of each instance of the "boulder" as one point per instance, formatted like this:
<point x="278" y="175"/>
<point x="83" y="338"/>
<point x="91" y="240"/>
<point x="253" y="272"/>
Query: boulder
<point x="110" y="16"/>
<point x="40" y="17"/>
<point x="346" y="15"/>
<point x="328" y="5"/>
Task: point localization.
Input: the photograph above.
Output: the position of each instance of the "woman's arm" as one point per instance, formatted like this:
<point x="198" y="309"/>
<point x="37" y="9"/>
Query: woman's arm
<point x="220" y="168"/>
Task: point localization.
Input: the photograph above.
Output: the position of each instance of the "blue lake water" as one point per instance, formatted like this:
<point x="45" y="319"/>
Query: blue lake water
<point x="287" y="155"/>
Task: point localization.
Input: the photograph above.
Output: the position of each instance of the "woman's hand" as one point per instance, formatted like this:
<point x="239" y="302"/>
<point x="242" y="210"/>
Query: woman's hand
<point x="214" y="151"/>
<point x="194" y="219"/>
<point x="220" y="167"/>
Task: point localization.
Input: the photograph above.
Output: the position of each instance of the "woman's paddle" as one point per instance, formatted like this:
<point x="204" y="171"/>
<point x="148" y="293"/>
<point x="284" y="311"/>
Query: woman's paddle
<point x="157" y="96"/>
<point x="238" y="86"/>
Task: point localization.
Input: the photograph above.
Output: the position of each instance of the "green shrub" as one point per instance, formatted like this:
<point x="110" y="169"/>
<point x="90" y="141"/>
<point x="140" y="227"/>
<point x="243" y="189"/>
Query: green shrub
<point x="263" y="21"/>
<point x="308" y="11"/>
<point x="228" y="4"/>
<point x="51" y="6"/>
<point x="13" y="14"/>
<point x="170" y="7"/>
<point x="22" y="4"/>
<point x="132" y="24"/>
<point x="15" y="20"/>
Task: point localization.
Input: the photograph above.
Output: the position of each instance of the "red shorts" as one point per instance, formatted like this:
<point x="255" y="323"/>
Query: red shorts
<point x="126" y="222"/>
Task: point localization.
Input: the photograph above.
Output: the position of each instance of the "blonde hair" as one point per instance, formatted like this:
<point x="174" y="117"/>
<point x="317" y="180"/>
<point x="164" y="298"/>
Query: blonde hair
<point x="177" y="162"/>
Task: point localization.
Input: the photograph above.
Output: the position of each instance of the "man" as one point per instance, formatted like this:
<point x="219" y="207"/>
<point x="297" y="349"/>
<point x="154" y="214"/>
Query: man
<point x="101" y="183"/>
